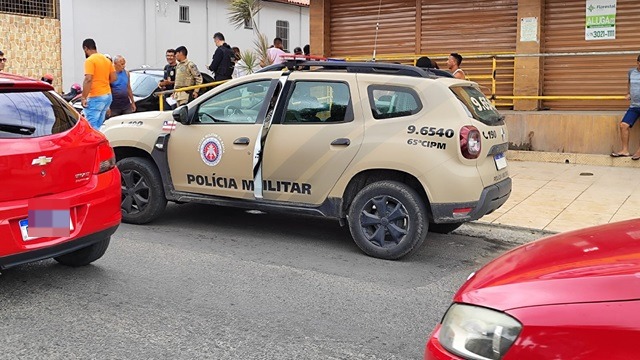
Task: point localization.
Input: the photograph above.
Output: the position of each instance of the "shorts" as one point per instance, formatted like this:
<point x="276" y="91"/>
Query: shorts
<point x="96" y="109"/>
<point x="631" y="116"/>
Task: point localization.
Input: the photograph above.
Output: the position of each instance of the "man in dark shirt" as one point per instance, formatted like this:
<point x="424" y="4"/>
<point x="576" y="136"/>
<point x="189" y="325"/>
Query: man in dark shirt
<point x="223" y="59"/>
<point x="169" y="71"/>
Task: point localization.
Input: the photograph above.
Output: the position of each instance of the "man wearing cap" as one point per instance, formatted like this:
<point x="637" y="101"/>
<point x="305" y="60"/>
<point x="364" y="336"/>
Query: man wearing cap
<point x="187" y="74"/>
<point x="99" y="72"/>
<point x="3" y="60"/>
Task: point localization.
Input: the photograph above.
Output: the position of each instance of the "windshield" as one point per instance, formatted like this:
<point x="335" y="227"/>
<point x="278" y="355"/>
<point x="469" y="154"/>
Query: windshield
<point x="142" y="85"/>
<point x="477" y="104"/>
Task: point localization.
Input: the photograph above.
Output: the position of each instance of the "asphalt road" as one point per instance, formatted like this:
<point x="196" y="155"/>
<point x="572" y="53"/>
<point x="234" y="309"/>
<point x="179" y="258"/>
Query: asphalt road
<point x="216" y="283"/>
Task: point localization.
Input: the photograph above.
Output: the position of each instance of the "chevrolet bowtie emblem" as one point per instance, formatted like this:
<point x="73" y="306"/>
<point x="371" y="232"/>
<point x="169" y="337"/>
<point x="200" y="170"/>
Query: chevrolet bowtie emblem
<point x="42" y="161"/>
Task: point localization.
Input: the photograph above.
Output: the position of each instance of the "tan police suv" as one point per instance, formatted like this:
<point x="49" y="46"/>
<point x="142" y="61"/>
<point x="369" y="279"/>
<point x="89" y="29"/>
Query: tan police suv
<point x="393" y="151"/>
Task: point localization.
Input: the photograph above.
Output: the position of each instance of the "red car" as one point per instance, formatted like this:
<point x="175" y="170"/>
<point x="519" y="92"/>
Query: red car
<point x="569" y="296"/>
<point x="54" y="168"/>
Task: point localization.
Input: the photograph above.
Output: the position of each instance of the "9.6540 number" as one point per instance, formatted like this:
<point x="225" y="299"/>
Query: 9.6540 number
<point x="430" y="131"/>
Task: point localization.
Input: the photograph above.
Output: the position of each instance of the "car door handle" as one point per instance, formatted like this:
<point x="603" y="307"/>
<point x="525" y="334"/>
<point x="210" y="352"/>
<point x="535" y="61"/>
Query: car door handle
<point x="341" y="142"/>
<point x="241" y="141"/>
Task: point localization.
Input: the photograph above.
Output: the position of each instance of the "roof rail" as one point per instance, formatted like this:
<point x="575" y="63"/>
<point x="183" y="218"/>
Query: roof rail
<point x="359" y="67"/>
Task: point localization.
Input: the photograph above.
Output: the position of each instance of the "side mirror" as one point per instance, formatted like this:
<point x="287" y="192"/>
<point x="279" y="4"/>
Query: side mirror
<point x="181" y="115"/>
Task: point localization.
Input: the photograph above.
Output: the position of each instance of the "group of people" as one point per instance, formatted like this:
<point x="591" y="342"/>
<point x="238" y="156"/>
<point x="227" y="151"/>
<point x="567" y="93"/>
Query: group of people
<point x="226" y="63"/>
<point x="106" y="87"/>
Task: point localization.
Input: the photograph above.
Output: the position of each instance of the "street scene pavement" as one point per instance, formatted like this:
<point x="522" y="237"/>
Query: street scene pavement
<point x="216" y="283"/>
<point x="552" y="197"/>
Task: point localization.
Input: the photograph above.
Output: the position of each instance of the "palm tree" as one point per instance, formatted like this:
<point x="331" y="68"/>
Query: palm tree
<point x="242" y="12"/>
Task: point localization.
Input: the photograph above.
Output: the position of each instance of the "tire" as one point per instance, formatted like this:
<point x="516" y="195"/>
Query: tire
<point x="84" y="256"/>
<point x="444" y="228"/>
<point x="405" y="215"/>
<point x="143" y="198"/>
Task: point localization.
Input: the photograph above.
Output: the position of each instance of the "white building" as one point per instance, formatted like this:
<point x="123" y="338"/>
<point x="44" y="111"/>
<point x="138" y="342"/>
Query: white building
<point x="141" y="30"/>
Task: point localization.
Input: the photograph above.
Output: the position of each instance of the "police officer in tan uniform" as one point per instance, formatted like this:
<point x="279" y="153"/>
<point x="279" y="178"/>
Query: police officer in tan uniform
<point x="187" y="74"/>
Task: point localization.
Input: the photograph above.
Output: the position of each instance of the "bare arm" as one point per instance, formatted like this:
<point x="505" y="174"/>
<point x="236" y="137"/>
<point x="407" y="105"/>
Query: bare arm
<point x="460" y="75"/>
<point x="130" y="93"/>
<point x="86" y="88"/>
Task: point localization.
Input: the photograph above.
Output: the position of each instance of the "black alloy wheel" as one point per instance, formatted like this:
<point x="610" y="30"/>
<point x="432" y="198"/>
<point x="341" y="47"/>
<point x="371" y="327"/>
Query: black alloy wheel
<point x="143" y="198"/>
<point x="387" y="219"/>
<point x="384" y="221"/>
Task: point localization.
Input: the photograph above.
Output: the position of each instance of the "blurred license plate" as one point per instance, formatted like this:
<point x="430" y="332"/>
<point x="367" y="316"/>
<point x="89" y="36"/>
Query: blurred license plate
<point x="501" y="161"/>
<point x="24" y="227"/>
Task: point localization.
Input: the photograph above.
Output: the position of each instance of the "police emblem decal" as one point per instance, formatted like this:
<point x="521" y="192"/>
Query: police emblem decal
<point x="211" y="150"/>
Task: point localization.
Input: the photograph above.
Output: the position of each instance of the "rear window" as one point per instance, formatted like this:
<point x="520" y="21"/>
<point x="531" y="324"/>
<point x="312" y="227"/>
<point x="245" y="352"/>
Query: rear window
<point x="393" y="101"/>
<point x="34" y="114"/>
<point x="477" y="104"/>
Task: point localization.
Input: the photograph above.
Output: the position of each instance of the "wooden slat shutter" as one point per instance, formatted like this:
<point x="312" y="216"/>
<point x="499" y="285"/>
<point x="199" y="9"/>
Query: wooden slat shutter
<point x="466" y="27"/>
<point x="353" y="27"/>
<point x="587" y="75"/>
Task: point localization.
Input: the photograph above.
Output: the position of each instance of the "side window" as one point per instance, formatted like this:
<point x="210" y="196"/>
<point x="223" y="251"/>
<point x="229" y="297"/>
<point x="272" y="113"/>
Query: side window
<point x="319" y="102"/>
<point x="393" y="101"/>
<point x="34" y="114"/>
<point x="238" y="105"/>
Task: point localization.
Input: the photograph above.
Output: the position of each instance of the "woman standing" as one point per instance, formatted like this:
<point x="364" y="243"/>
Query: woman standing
<point x="123" y="102"/>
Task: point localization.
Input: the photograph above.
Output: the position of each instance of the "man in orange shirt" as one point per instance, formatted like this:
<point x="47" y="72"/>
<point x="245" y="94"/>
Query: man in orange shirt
<point x="99" y="72"/>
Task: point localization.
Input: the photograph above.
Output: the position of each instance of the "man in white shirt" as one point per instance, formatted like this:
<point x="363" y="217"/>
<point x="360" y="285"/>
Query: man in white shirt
<point x="275" y="53"/>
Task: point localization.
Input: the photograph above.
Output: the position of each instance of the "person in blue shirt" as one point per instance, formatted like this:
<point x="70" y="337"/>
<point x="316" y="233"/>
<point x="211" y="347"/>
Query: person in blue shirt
<point x="632" y="114"/>
<point x="123" y="102"/>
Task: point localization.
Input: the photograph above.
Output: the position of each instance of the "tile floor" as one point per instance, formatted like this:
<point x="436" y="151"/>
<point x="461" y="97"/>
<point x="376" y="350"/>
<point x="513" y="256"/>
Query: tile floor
<point x="561" y="197"/>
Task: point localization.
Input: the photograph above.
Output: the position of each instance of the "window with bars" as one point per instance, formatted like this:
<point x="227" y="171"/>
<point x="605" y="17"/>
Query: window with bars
<point x="282" y="31"/>
<point x="40" y="8"/>
<point x="184" y="14"/>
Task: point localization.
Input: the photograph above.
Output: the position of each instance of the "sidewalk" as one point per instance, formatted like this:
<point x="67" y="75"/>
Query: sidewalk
<point x="556" y="197"/>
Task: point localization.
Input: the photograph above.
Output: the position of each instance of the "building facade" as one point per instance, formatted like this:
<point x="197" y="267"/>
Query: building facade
<point x="541" y="47"/>
<point x="45" y="36"/>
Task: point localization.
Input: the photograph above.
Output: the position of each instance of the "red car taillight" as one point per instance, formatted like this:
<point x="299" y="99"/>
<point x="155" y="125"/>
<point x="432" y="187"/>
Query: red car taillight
<point x="106" y="158"/>
<point x="470" y="144"/>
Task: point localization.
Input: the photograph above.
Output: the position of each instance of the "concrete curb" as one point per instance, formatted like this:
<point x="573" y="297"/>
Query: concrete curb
<point x="504" y="233"/>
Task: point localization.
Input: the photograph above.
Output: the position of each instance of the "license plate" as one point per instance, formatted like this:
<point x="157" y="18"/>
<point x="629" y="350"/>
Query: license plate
<point x="501" y="161"/>
<point x="24" y="227"/>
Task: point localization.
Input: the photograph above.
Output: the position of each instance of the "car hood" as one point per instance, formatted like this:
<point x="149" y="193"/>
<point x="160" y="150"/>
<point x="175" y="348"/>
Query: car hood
<point x="595" y="264"/>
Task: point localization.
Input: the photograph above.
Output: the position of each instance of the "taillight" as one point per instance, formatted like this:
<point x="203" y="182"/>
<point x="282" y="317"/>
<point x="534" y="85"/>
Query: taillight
<point x="470" y="144"/>
<point x="106" y="158"/>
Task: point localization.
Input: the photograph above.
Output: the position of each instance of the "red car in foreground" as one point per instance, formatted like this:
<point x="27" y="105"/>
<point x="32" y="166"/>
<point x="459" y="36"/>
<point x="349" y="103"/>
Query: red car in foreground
<point x="51" y="157"/>
<point x="569" y="296"/>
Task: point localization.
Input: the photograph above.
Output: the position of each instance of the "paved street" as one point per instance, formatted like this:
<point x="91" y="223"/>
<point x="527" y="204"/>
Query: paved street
<point x="218" y="283"/>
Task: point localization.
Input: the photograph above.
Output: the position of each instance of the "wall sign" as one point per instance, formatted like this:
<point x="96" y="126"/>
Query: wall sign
<point x="600" y="20"/>
<point x="529" y="29"/>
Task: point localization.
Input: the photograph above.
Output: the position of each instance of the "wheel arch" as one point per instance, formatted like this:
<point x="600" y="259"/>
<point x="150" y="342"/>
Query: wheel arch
<point x="130" y="151"/>
<point x="366" y="177"/>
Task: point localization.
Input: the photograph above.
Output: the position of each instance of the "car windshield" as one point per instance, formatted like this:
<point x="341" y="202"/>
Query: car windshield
<point x="34" y="114"/>
<point x="477" y="104"/>
<point x="142" y="85"/>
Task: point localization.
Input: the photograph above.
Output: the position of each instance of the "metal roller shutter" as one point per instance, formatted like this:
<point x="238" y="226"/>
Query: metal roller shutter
<point x="472" y="27"/>
<point x="564" y="32"/>
<point x="353" y="27"/>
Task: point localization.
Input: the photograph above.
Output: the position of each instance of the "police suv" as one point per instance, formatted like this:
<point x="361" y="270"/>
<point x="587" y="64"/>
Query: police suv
<point x="394" y="151"/>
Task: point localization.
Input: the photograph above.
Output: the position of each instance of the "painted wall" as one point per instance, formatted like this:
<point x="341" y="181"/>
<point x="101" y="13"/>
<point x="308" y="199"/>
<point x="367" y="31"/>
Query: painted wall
<point x="141" y="30"/>
<point x="31" y="46"/>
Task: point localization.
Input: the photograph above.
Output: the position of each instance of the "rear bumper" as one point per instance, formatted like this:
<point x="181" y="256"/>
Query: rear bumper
<point x="492" y="198"/>
<point x="94" y="209"/>
<point x="56" y="250"/>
